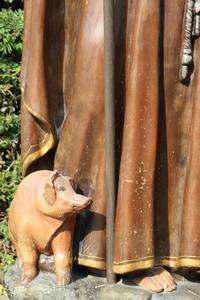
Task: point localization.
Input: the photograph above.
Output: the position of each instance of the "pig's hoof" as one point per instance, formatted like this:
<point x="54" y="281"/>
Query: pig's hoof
<point x="27" y="277"/>
<point x="63" y="278"/>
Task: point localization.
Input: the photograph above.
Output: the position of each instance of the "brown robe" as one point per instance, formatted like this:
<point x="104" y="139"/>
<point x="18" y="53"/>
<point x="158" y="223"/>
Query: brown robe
<point x="157" y="125"/>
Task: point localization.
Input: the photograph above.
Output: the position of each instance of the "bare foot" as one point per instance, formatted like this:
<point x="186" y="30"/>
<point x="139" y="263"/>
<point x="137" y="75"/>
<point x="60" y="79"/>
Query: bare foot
<point x="156" y="280"/>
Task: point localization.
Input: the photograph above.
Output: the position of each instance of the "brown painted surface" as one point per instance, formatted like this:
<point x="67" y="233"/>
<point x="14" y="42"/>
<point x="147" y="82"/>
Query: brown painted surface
<point x="157" y="125"/>
<point x="41" y="220"/>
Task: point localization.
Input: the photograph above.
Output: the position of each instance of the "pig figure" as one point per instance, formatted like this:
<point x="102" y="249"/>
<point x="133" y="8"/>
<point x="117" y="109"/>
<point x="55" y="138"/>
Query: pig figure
<point x="42" y="219"/>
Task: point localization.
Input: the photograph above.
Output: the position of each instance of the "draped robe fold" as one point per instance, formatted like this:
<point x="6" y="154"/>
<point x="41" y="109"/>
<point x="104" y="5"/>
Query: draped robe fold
<point x="157" y="125"/>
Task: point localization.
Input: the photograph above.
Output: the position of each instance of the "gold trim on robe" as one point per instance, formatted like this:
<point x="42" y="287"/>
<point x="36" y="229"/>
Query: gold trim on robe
<point x="42" y="147"/>
<point x="141" y="263"/>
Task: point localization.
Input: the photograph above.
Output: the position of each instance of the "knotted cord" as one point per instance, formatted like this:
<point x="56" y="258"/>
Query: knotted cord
<point x="191" y="31"/>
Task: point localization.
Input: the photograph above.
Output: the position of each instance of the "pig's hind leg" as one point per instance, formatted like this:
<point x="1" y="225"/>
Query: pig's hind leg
<point x="19" y="259"/>
<point x="62" y="250"/>
<point x="29" y="257"/>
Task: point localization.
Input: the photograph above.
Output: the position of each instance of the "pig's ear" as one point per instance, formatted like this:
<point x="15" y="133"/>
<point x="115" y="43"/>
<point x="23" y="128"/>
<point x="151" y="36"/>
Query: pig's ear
<point x="54" y="175"/>
<point x="49" y="193"/>
<point x="49" y="190"/>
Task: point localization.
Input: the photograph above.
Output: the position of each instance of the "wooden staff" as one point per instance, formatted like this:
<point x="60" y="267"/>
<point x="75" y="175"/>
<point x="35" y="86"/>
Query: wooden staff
<point x="109" y="58"/>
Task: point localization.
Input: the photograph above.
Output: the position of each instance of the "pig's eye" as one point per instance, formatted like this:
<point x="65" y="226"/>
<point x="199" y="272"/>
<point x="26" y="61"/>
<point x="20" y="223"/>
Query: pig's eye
<point x="61" y="189"/>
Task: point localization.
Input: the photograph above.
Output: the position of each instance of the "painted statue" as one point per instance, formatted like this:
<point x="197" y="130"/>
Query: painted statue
<point x="41" y="220"/>
<point x="157" y="89"/>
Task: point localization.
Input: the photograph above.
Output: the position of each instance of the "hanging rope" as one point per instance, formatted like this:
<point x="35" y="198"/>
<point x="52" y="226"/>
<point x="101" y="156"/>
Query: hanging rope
<point x="191" y="32"/>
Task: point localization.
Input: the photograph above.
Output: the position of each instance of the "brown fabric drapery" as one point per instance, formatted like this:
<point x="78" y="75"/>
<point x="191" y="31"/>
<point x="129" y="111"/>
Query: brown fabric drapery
<point x="157" y="125"/>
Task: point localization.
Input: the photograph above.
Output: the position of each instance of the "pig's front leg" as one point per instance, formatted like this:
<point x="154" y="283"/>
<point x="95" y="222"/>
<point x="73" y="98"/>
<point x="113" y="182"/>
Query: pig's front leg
<point x="62" y="250"/>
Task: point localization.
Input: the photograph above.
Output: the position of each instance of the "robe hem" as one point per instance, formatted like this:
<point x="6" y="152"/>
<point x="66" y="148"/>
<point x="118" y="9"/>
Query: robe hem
<point x="182" y="261"/>
<point x="140" y="264"/>
<point x="93" y="262"/>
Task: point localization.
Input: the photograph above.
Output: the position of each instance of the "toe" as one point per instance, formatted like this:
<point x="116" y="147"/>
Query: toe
<point x="168" y="276"/>
<point x="166" y="283"/>
<point x="157" y="287"/>
<point x="170" y="288"/>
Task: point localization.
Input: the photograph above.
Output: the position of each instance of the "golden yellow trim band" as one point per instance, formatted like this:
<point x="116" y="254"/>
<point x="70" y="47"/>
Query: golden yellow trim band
<point x="181" y="256"/>
<point x="134" y="265"/>
<point x="49" y="144"/>
<point x="97" y="264"/>
<point x="124" y="267"/>
<point x="35" y="146"/>
<point x="143" y="263"/>
<point x="190" y="262"/>
<point x="37" y="154"/>
<point x="37" y="116"/>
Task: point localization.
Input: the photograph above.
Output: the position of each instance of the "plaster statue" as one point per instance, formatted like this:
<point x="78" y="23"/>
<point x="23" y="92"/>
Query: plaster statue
<point x="157" y="108"/>
<point x="42" y="219"/>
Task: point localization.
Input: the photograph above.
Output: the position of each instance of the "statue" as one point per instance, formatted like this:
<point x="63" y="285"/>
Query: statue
<point x="157" y="127"/>
<point x="42" y="219"/>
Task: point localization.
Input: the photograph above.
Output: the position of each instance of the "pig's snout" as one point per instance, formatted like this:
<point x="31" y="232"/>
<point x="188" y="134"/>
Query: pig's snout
<point x="82" y="204"/>
<point x="88" y="202"/>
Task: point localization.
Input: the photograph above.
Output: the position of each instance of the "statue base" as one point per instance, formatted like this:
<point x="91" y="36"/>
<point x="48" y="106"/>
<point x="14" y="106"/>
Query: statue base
<point x="88" y="287"/>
